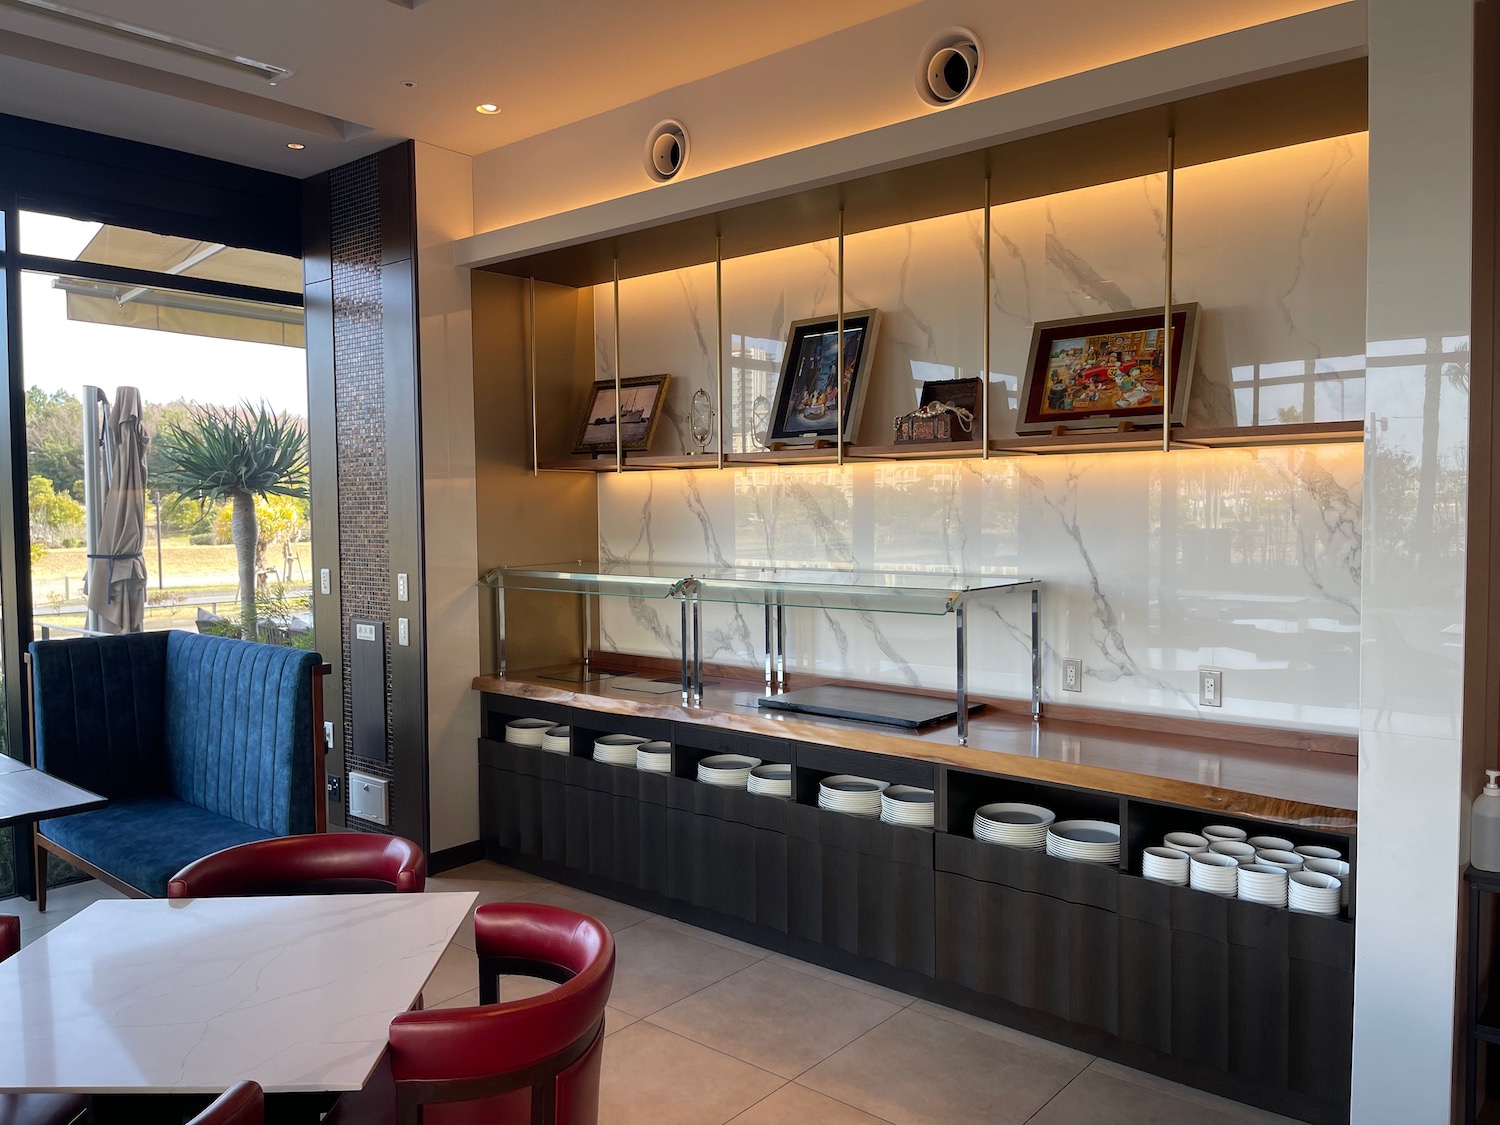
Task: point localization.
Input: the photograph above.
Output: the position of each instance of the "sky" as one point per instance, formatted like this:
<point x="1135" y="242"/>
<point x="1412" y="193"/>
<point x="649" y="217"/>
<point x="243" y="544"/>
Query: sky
<point x="165" y="366"/>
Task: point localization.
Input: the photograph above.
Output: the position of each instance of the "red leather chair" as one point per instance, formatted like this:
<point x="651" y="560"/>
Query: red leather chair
<point x="327" y="863"/>
<point x="33" y="1109"/>
<point x="241" y="1104"/>
<point x="529" y="1062"/>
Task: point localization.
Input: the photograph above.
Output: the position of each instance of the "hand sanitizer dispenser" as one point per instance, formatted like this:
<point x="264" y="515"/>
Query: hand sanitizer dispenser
<point x="1484" y="836"/>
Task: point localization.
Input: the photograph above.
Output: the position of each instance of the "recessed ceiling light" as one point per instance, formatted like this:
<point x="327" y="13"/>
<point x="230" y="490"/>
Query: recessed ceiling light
<point x="487" y="107"/>
<point x="294" y="146"/>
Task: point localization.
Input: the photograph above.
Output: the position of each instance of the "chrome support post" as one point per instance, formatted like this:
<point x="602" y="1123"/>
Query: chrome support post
<point x="961" y="634"/>
<point x="686" y="663"/>
<point x="780" y="646"/>
<point x="697" y="649"/>
<point x="1166" y="350"/>
<point x="770" y="648"/>
<point x="1036" y="656"/>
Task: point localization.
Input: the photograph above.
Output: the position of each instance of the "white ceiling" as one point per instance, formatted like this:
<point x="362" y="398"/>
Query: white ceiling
<point x="544" y="62"/>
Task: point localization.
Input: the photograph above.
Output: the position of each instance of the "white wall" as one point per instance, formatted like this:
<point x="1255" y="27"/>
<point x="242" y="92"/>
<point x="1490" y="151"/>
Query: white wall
<point x="1412" y="787"/>
<point x="445" y="211"/>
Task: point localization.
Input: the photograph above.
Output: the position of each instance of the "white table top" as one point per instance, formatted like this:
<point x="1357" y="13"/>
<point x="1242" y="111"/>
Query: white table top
<point x="190" y="996"/>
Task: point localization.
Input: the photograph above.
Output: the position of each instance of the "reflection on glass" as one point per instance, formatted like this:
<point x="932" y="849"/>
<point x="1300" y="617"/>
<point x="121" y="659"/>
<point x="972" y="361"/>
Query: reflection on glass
<point x="760" y="421"/>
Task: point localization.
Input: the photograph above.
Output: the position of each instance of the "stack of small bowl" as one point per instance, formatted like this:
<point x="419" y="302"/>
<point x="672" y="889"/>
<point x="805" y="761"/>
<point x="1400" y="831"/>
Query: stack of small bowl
<point x="907" y="804"/>
<point x="845" y="793"/>
<point x="617" y="749"/>
<point x="557" y="740"/>
<point x="1084" y="841"/>
<point x="771" y="779"/>
<point x="654" y="757"/>
<point x="1264" y="883"/>
<point x="1165" y="864"/>
<point x="1214" y="872"/>
<point x="1312" y="892"/>
<point x="526" y="732"/>
<point x="1013" y="824"/>
<point x="727" y="771"/>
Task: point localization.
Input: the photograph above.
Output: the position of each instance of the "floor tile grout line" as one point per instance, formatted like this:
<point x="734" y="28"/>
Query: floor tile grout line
<point x="757" y="1101"/>
<point x="797" y="1082"/>
<point x="845" y="1046"/>
<point x="1056" y="1095"/>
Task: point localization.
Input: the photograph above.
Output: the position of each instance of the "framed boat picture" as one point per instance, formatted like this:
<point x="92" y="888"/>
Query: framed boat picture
<point x="641" y="399"/>
<point x="1094" y="372"/>
<point x="808" y="392"/>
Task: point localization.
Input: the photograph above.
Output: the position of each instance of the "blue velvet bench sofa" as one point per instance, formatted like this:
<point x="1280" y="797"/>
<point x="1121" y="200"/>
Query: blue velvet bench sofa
<point x="198" y="742"/>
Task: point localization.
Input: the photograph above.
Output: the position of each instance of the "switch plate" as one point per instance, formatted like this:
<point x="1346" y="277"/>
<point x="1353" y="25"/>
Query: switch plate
<point x="335" y="790"/>
<point x="1210" y="687"/>
<point x="328" y="734"/>
<point x="324" y="586"/>
<point x="401" y="587"/>
<point x="1072" y="674"/>
<point x="403" y="632"/>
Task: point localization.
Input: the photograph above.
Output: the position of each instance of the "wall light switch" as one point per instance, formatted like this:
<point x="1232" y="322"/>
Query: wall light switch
<point x="324" y="586"/>
<point x="403" y="631"/>
<point x="401" y="587"/>
<point x="1210" y="687"/>
<point x="1072" y="674"/>
<point x="328" y="733"/>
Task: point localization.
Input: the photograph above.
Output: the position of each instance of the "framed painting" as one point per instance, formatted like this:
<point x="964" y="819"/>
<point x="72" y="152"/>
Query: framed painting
<point x="1094" y="372"/>
<point x="641" y="400"/>
<point x="807" y="391"/>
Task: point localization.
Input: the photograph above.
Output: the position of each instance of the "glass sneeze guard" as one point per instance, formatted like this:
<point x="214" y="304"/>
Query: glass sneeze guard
<point x="777" y="590"/>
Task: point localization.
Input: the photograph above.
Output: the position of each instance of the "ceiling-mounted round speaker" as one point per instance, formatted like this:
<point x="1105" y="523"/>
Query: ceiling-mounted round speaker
<point x="949" y="66"/>
<point x="666" y="151"/>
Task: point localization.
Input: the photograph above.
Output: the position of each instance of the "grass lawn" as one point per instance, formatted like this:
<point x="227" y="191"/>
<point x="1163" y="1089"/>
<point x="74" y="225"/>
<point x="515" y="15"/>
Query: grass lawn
<point x="57" y="577"/>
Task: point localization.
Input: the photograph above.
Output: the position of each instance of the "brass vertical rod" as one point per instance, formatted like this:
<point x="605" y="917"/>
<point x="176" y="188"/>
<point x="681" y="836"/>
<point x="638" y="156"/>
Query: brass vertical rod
<point x="984" y="359"/>
<point x="719" y="350"/>
<point x="531" y="368"/>
<point x="1166" y="350"/>
<point x="838" y="377"/>
<point x="619" y="433"/>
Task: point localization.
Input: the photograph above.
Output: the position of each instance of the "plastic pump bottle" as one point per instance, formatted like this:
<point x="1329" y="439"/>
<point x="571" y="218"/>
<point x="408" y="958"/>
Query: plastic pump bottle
<point x="1484" y="838"/>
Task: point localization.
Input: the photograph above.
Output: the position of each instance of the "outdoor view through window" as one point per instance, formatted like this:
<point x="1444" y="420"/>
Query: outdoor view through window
<point x="212" y="533"/>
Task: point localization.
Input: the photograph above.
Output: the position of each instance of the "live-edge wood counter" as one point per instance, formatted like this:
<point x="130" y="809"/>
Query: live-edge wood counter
<point x="1302" y="788"/>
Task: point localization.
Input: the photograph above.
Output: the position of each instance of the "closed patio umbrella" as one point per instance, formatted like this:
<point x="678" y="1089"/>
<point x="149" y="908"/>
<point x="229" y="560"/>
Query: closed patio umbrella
<point x="117" y="572"/>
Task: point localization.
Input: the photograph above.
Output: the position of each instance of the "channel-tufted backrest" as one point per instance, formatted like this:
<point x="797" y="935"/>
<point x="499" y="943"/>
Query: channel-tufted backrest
<point x="239" y="728"/>
<point x="100" y="706"/>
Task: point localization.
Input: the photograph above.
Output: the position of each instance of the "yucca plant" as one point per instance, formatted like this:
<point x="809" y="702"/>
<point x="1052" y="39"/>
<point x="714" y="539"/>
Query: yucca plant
<point x="235" y="454"/>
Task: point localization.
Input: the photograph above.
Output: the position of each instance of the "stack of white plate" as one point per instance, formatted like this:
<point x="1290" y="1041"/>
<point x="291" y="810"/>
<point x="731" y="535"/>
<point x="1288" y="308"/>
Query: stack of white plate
<point x="845" y="793"/>
<point x="1165" y="865"/>
<point x="654" y="757"/>
<point x="526" y="732"/>
<point x="1312" y="892"/>
<point x="906" y="804"/>
<point x="727" y="771"/>
<point x="1189" y="842"/>
<point x="1215" y="873"/>
<point x="617" y="749"/>
<point x="1338" y="868"/>
<point x="1085" y="841"/>
<point x="557" y="740"/>
<point x="773" y="779"/>
<point x="1014" y="825"/>
<point x="1264" y="883"/>
<point x="1290" y="861"/>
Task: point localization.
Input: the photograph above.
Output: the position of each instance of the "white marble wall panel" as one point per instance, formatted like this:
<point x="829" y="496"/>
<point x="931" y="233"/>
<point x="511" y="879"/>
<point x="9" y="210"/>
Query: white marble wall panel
<point x="1155" y="564"/>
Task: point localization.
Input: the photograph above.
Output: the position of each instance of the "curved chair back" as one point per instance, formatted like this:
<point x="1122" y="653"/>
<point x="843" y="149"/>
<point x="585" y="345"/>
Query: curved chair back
<point x="328" y="863"/>
<point x="10" y="936"/>
<point x="241" y="1104"/>
<point x="529" y="1062"/>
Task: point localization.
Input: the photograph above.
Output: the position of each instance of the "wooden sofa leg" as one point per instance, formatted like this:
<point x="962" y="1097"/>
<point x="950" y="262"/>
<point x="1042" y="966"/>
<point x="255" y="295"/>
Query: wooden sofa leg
<point x="39" y="871"/>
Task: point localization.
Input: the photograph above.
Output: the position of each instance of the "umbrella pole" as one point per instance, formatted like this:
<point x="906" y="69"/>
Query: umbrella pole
<point x="95" y="405"/>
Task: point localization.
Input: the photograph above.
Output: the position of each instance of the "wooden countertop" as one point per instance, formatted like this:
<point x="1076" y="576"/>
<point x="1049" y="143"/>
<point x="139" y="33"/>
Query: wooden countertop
<point x="1295" y="787"/>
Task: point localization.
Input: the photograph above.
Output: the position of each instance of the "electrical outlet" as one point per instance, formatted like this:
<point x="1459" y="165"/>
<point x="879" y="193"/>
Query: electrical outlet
<point x="1210" y="687"/>
<point x="324" y="585"/>
<point x="335" y="790"/>
<point x="403" y="631"/>
<point x="401" y="587"/>
<point x="1072" y="674"/>
<point x="328" y="734"/>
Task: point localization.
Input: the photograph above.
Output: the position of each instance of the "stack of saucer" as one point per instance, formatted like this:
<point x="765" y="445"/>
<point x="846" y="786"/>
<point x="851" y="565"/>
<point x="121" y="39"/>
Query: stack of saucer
<point x="1086" y="841"/>
<point x="1165" y="865"/>
<point x="1264" y="883"/>
<point x="1014" y="825"/>
<point x="557" y="740"/>
<point x="526" y="732"/>
<point x="1237" y="848"/>
<point x="1312" y="892"/>
<point x="1313" y="851"/>
<point x="654" y="757"/>
<point x="1222" y="832"/>
<point x="772" y="779"/>
<point x="727" y="771"/>
<point x="1338" y="868"/>
<point x="1288" y="861"/>
<point x="1215" y="873"/>
<point x="1189" y="842"/>
<point x="1269" y="844"/>
<point x="617" y="749"/>
<point x="906" y="804"/>
<point x="845" y="793"/>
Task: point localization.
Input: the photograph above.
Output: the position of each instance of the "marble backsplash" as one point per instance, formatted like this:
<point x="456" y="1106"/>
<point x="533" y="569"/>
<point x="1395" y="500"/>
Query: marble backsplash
<point x="1154" y="564"/>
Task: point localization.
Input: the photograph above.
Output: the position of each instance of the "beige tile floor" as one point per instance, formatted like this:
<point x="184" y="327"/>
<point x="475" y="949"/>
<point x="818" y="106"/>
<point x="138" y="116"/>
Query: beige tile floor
<point x="706" y="1030"/>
